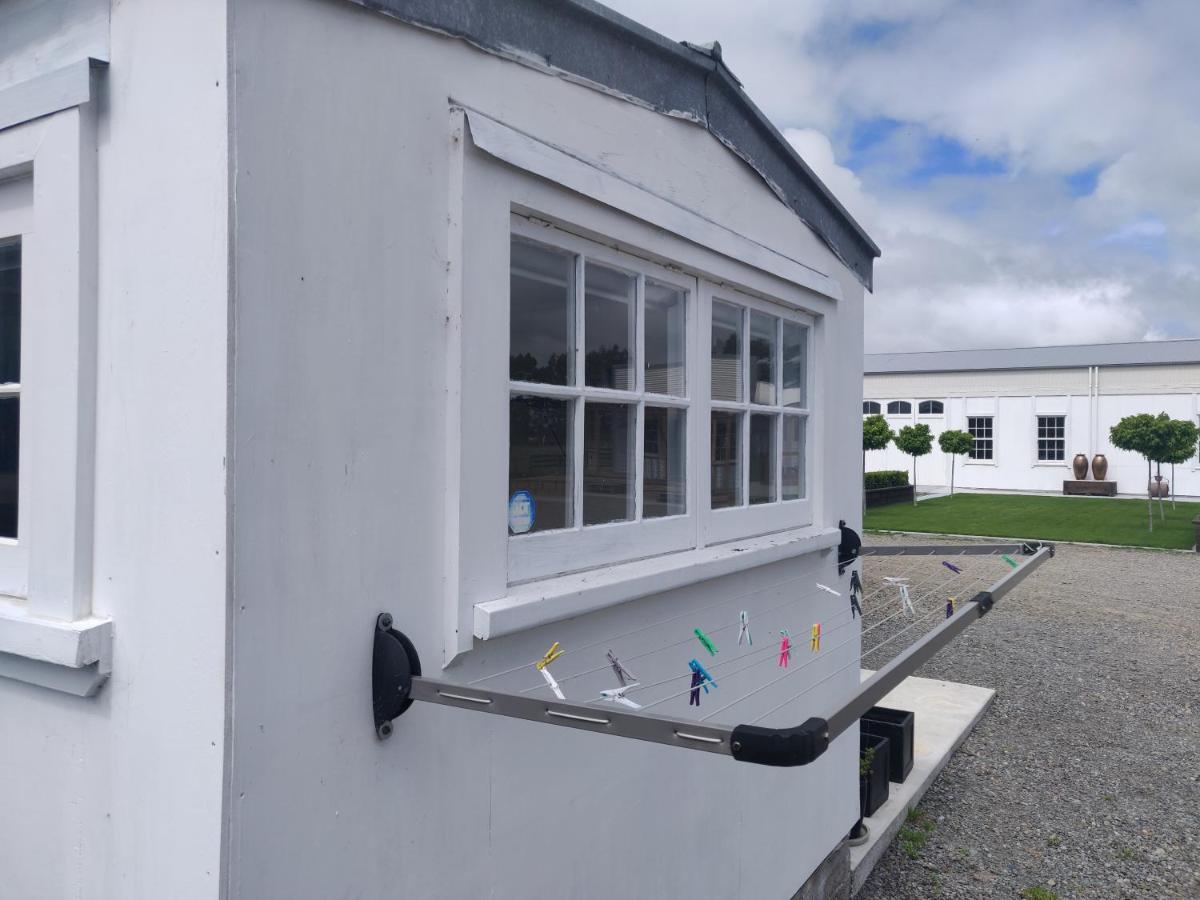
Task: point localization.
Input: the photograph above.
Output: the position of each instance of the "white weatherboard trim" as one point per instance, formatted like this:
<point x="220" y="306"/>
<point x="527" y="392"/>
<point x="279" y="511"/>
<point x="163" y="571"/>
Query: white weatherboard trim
<point x="50" y="93"/>
<point x="592" y="180"/>
<point x="551" y="600"/>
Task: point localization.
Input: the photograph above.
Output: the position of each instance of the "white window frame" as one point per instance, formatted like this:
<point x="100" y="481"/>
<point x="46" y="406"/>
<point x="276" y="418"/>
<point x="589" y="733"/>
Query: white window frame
<point x="541" y="554"/>
<point x="1037" y="416"/>
<point x="495" y="172"/>
<point x="46" y="620"/>
<point x="877" y="412"/>
<point x="991" y="461"/>
<point x="909" y="414"/>
<point x="931" y="415"/>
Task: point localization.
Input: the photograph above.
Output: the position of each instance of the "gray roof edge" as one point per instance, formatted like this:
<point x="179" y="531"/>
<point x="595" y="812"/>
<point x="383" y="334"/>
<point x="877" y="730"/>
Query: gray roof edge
<point x="1064" y="356"/>
<point x="586" y="39"/>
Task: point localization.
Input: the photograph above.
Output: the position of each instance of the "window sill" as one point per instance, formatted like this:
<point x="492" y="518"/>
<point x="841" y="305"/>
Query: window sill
<point x="553" y="599"/>
<point x="75" y="657"/>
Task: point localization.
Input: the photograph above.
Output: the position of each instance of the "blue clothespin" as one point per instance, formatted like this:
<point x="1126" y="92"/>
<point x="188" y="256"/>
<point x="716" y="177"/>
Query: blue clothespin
<point x="705" y="678"/>
<point x="953" y="568"/>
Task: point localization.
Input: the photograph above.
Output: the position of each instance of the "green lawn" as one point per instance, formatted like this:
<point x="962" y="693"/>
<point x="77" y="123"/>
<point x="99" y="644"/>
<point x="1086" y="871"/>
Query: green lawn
<point x="1099" y="520"/>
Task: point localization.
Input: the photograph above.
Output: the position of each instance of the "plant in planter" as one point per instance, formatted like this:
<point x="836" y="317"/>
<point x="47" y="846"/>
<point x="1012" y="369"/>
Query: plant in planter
<point x="873" y="788"/>
<point x="1183" y="436"/>
<point x="916" y="441"/>
<point x="877" y="434"/>
<point x="956" y="443"/>
<point x="1150" y="437"/>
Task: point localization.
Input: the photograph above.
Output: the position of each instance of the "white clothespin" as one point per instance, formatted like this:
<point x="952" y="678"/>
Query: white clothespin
<point x="543" y="666"/>
<point x="829" y="590"/>
<point x="617" y="695"/>
<point x="553" y="684"/>
<point x="744" y="628"/>
<point x="905" y="601"/>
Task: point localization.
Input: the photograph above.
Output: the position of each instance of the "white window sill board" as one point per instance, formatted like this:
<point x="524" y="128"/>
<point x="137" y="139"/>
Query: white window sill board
<point x="74" y="644"/>
<point x="553" y="599"/>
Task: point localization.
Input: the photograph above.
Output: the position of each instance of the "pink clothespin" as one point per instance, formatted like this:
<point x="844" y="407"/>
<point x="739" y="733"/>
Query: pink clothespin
<point x="785" y="649"/>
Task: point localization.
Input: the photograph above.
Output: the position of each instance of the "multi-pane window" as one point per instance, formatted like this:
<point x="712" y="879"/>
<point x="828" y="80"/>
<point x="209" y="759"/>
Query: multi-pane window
<point x="10" y="382"/>
<point x="759" y="402"/>
<point x="980" y="429"/>
<point x="597" y="385"/>
<point x="870" y="408"/>
<point x="899" y="408"/>
<point x="1051" y="438"/>
<point x="930" y="408"/>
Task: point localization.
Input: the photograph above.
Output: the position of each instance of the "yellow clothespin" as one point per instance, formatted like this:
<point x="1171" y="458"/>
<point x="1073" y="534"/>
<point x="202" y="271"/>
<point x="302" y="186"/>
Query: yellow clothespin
<point x="815" y="642"/>
<point x="551" y="655"/>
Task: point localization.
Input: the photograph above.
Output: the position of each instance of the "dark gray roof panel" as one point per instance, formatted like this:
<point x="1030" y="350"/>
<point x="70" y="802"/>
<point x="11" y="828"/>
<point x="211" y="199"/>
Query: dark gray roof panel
<point x="1070" y="356"/>
<point x="590" y="41"/>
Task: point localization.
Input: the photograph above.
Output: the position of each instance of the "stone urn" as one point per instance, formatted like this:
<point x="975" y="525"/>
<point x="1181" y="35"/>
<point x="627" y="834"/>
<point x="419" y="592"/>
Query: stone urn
<point x="1160" y="488"/>
<point x="1099" y="466"/>
<point x="1080" y="466"/>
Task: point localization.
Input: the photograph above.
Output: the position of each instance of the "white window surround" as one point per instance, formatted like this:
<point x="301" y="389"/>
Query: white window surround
<point x="1052" y="413"/>
<point x="46" y="573"/>
<point x="490" y="180"/>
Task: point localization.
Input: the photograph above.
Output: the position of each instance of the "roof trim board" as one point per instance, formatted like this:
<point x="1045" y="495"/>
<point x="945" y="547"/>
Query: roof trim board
<point x="1070" y="356"/>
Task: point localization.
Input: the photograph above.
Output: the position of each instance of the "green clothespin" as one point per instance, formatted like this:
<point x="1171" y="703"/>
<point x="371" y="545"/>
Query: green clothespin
<point x="706" y="641"/>
<point x="1008" y="559"/>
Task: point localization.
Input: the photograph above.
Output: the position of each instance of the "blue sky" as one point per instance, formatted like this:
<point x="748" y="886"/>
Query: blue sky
<point x="1028" y="168"/>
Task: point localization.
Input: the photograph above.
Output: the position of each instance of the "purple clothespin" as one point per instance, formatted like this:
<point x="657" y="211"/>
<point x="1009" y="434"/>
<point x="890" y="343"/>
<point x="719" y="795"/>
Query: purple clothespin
<point x="953" y="568"/>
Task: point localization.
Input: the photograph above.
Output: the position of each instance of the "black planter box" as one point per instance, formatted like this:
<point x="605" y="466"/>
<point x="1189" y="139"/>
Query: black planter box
<point x="901" y="493"/>
<point x="897" y="726"/>
<point x="876" y="782"/>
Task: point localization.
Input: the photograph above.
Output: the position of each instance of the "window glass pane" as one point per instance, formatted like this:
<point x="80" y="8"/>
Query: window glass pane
<point x="665" y="340"/>
<point x="10" y="311"/>
<point x="608" y="327"/>
<point x="10" y="429"/>
<point x="608" y="450"/>
<point x="541" y="314"/>
<point x="762" y="358"/>
<point x="762" y="459"/>
<point x="870" y="407"/>
<point x="726" y="433"/>
<point x="899" y="407"/>
<point x="793" y="457"/>
<point x="795" y="365"/>
<point x="664" y="456"/>
<point x="930" y="408"/>
<point x="539" y="457"/>
<point x="726" y="352"/>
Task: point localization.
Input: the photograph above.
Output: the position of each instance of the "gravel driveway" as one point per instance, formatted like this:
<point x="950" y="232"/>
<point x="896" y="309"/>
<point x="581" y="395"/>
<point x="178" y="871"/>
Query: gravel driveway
<point x="1083" y="779"/>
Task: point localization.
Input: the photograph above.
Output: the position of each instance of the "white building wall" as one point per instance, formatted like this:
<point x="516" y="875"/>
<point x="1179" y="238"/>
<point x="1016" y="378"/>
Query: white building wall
<point x="120" y="795"/>
<point x="339" y="469"/>
<point x="1016" y="398"/>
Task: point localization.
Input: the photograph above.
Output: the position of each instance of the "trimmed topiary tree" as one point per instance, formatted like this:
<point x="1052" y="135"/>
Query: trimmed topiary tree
<point x="956" y="443"/>
<point x="877" y="434"/>
<point x="1183" y="438"/>
<point x="916" y="441"/>
<point x="1148" y="436"/>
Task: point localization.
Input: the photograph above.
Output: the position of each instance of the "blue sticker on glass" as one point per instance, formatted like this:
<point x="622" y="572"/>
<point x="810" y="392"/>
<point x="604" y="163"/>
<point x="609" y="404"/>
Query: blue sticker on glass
<point x="521" y="512"/>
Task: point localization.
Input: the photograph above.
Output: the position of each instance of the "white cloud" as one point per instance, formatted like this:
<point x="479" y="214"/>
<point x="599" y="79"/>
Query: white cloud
<point x="1049" y="89"/>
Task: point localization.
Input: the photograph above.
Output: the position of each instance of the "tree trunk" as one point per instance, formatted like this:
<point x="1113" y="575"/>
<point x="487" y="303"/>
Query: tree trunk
<point x="1149" y="498"/>
<point x="1158" y="480"/>
<point x="1172" y="486"/>
<point x="952" y="458"/>
<point x="914" y="481"/>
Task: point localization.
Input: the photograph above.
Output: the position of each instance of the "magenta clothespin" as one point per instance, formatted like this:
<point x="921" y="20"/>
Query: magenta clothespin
<point x="785" y="648"/>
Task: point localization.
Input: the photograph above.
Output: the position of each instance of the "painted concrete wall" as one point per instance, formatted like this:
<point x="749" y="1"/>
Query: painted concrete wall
<point x="120" y="796"/>
<point x="1016" y="398"/>
<point x="342" y="185"/>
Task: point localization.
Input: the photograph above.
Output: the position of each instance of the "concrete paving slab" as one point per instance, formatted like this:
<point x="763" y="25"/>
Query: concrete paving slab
<point x="945" y="714"/>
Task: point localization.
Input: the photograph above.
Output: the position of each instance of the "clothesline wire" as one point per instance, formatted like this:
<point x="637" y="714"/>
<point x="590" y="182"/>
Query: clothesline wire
<point x="774" y="648"/>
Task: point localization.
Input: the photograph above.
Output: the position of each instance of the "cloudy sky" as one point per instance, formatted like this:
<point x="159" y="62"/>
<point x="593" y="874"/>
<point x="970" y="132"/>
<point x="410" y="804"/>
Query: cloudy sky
<point x="1030" y="168"/>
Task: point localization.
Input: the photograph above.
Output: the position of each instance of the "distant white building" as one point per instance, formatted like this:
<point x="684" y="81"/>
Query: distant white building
<point x="1032" y="409"/>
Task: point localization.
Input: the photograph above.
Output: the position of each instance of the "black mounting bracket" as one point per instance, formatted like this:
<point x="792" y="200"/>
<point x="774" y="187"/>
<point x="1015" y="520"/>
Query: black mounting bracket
<point x="780" y="746"/>
<point x="986" y="601"/>
<point x="394" y="662"/>
<point x="849" y="547"/>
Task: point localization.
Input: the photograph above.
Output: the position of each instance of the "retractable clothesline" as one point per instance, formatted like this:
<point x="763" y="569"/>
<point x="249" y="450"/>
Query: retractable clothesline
<point x="397" y="681"/>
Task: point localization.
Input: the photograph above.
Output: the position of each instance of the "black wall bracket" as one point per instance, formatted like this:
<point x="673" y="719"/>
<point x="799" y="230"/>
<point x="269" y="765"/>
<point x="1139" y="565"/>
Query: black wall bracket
<point x="394" y="663"/>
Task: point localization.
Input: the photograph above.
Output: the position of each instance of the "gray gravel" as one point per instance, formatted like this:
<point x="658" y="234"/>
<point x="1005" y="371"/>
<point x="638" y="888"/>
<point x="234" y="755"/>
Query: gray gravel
<point x="1084" y="777"/>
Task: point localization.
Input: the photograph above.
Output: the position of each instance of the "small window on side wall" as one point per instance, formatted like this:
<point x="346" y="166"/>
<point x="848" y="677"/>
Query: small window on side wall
<point x="899" y="408"/>
<point x="930" y="408"/>
<point x="871" y="408"/>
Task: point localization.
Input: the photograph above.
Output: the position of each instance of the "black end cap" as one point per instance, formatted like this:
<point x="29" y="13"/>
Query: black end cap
<point x="985" y="600"/>
<point x="780" y="746"/>
<point x="394" y="662"/>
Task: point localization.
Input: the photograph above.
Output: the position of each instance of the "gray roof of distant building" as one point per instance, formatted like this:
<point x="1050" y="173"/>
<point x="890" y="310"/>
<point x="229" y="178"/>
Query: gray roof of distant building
<point x="1069" y="356"/>
<point x="591" y="42"/>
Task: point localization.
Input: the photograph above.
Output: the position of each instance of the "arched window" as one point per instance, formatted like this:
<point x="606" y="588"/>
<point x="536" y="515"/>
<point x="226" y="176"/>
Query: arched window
<point x="870" y="408"/>
<point x="899" y="408"/>
<point x="930" y="408"/>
